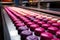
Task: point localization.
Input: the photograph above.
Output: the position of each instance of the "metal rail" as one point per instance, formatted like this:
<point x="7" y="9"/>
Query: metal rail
<point x="10" y="32"/>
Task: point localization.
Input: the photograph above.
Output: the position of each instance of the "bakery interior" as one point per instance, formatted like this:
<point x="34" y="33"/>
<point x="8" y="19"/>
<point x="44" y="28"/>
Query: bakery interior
<point x="29" y="19"/>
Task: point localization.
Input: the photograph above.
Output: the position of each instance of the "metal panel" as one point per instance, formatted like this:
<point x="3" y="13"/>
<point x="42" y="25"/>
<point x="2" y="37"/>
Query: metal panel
<point x="10" y="32"/>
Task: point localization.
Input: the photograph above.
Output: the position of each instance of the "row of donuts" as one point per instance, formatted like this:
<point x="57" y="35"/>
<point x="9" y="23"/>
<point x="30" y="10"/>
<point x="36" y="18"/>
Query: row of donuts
<point x="54" y="22"/>
<point x="23" y="30"/>
<point x="39" y="29"/>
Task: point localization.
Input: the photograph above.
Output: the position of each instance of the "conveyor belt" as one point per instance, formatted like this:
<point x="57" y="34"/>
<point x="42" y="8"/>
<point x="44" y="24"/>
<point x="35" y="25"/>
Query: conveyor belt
<point x="44" y="11"/>
<point x="28" y="20"/>
<point x="46" y="14"/>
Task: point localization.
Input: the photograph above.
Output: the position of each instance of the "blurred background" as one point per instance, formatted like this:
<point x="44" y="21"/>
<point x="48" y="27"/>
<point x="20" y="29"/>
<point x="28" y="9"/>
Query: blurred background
<point x="44" y="4"/>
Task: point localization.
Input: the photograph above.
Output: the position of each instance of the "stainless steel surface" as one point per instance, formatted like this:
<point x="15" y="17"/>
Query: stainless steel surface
<point x="10" y="32"/>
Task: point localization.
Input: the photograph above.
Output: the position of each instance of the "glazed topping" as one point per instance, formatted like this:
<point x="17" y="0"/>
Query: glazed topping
<point x="26" y="32"/>
<point x="46" y="34"/>
<point x="23" y="28"/>
<point x="32" y="38"/>
<point x="53" y="28"/>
